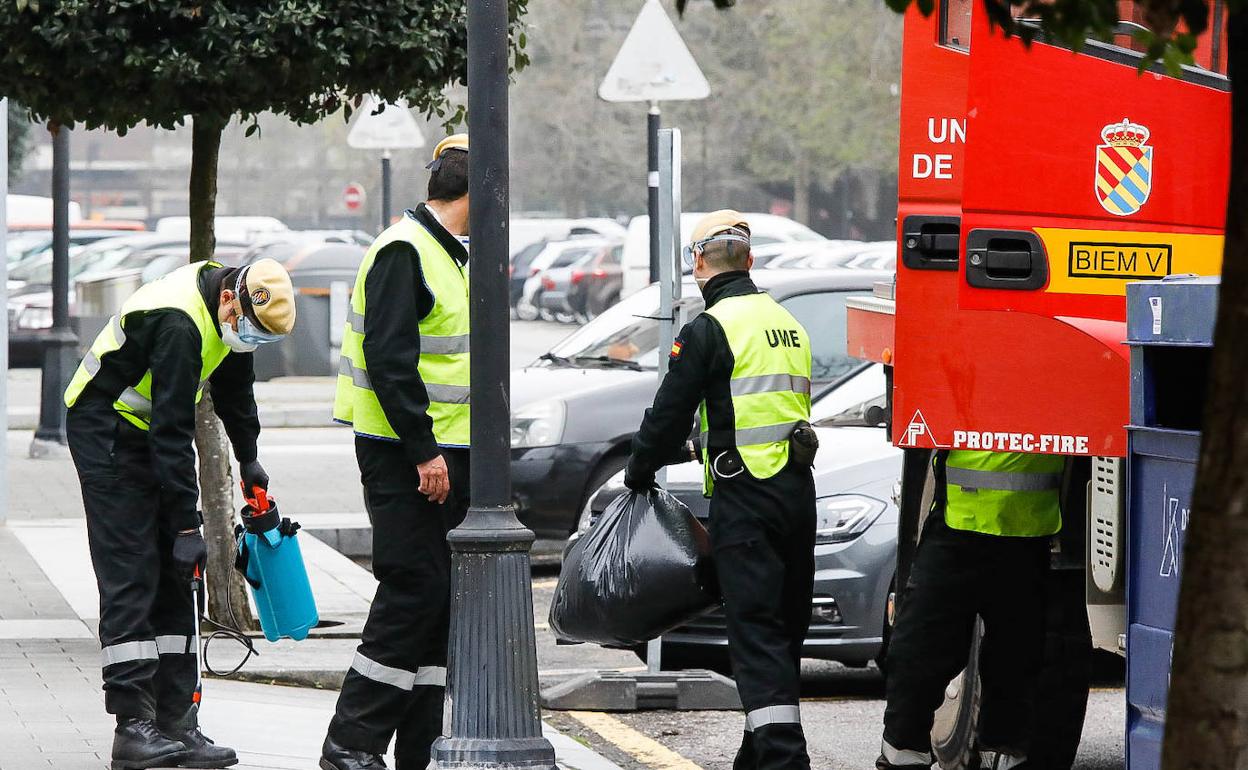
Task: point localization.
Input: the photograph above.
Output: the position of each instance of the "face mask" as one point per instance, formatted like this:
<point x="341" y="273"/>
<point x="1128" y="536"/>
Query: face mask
<point x="233" y="341"/>
<point x="253" y="335"/>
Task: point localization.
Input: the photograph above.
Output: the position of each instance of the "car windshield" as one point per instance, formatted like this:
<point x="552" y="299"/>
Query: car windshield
<point x="19" y="247"/>
<point x="822" y="314"/>
<point x="630" y="331"/>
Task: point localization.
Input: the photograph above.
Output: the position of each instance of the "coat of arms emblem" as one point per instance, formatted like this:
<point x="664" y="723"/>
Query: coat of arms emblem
<point x="1124" y="168"/>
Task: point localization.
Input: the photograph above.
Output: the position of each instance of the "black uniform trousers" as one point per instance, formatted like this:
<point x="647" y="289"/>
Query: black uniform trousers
<point x="397" y="681"/>
<point x="147" y="616"/>
<point x="958" y="575"/>
<point x="763" y="535"/>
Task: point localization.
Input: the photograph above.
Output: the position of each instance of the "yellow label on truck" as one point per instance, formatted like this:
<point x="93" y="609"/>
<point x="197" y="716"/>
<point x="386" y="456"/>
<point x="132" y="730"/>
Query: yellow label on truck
<point x="1104" y="261"/>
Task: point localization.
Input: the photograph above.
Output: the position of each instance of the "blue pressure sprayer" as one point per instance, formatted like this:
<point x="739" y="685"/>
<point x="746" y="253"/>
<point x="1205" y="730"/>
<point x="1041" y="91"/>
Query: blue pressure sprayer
<point x="270" y="559"/>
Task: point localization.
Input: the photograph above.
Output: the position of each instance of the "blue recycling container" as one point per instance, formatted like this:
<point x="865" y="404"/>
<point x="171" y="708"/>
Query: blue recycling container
<point x="272" y="562"/>
<point x="1170" y="330"/>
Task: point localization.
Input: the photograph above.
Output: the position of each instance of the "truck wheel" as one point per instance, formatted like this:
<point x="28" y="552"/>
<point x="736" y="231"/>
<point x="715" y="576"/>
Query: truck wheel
<point x="957" y="720"/>
<point x="1061" y="701"/>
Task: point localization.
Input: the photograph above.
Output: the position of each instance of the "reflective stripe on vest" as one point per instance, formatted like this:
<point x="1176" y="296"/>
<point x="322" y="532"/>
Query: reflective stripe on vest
<point x="1003" y="493"/>
<point x="178" y="290"/>
<point x="444" y="344"/>
<point x="770" y="385"/>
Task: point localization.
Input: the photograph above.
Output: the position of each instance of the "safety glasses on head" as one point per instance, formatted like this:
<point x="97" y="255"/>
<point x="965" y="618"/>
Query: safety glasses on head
<point x="689" y="252"/>
<point x="249" y="331"/>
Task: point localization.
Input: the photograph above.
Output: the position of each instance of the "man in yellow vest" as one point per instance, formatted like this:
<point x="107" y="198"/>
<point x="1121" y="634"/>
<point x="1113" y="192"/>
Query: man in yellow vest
<point x="403" y="386"/>
<point x="131" y="429"/>
<point x="984" y="552"/>
<point x="745" y="365"/>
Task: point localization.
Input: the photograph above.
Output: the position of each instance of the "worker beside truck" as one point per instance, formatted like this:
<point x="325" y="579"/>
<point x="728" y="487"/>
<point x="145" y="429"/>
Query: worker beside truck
<point x="130" y="429"/>
<point x="984" y="553"/>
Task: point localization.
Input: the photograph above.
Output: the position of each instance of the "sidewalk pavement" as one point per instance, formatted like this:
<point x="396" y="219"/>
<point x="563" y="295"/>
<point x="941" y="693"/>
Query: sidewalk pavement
<point x="51" y="705"/>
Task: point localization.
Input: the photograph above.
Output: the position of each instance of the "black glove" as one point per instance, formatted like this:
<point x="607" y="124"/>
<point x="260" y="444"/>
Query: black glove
<point x="253" y="476"/>
<point x="190" y="551"/>
<point x="638" y="480"/>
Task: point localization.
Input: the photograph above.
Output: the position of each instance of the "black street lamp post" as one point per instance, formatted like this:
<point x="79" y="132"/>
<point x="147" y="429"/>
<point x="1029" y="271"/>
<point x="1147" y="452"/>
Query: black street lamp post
<point x="60" y="342"/>
<point x="492" y="678"/>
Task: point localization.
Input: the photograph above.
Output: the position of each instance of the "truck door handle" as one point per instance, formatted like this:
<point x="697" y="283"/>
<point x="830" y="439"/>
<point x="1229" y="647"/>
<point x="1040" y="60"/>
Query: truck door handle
<point x="930" y="242"/>
<point x="1006" y="259"/>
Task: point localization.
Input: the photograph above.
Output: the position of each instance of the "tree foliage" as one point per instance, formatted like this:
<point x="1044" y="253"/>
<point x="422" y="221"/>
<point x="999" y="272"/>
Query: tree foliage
<point x="117" y="63"/>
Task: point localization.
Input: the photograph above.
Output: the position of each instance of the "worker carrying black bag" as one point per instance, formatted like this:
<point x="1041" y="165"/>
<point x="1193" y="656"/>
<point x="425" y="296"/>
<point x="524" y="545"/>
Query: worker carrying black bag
<point x="642" y="570"/>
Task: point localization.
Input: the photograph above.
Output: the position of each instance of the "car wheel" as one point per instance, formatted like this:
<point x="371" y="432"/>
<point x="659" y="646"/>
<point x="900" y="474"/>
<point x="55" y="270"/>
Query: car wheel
<point x="682" y="657"/>
<point x="526" y="311"/>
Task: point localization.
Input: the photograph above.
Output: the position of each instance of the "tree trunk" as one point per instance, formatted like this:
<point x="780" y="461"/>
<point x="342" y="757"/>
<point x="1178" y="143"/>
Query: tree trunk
<point x="801" y="189"/>
<point x="216" y="484"/>
<point x="1207" y="717"/>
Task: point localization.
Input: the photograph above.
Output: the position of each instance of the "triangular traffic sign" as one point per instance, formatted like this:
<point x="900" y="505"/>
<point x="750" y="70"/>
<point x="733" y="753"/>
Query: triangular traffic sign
<point x="653" y="64"/>
<point x="393" y="128"/>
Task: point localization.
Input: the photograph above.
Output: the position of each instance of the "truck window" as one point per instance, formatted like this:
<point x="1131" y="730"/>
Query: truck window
<point x="1121" y="45"/>
<point x="955" y="24"/>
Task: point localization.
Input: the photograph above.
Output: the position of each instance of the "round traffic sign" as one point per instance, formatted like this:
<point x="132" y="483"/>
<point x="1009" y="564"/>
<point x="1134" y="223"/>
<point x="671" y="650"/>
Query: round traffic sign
<point x="353" y="196"/>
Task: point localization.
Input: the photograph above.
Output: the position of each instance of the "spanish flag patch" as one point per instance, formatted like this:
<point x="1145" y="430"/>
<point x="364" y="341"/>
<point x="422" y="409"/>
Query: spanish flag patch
<point x="676" y="348"/>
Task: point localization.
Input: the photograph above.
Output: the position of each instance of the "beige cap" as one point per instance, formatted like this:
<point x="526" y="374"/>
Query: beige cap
<point x="717" y="222"/>
<point x="271" y="296"/>
<point x="452" y="142"/>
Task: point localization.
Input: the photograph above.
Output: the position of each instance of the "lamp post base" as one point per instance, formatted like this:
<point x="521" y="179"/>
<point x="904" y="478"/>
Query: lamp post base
<point x="492" y="659"/>
<point x="60" y="359"/>
<point x="496" y="754"/>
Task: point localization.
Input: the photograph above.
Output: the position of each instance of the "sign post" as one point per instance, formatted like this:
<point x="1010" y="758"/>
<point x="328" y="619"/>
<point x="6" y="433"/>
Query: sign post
<point x="384" y="127"/>
<point x="653" y="65"/>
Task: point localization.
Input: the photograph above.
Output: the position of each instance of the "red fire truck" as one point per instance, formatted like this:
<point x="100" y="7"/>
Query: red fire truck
<point x="1035" y="183"/>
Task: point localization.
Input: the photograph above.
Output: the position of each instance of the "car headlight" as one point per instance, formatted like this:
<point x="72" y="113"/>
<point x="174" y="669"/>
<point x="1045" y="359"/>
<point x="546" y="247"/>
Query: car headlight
<point x="35" y="317"/>
<point x="539" y="424"/>
<point x="841" y="518"/>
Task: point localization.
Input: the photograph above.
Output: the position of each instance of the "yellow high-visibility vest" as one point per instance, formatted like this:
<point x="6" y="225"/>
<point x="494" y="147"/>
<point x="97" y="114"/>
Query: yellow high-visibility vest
<point x="443" y="364"/>
<point x="770" y="384"/>
<point x="1003" y="493"/>
<point x="178" y="290"/>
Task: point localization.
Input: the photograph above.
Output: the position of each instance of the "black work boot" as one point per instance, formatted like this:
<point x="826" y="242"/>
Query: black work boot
<point x="138" y="745"/>
<point x="201" y="751"/>
<point x="335" y="757"/>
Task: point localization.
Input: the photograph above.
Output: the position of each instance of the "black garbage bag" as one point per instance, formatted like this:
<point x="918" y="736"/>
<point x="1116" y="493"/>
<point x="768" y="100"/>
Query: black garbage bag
<point x="642" y="570"/>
